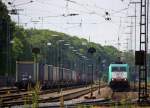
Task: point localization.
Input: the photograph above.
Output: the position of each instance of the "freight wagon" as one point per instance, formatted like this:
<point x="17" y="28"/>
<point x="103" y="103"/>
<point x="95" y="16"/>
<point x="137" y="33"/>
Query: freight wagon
<point x="49" y="76"/>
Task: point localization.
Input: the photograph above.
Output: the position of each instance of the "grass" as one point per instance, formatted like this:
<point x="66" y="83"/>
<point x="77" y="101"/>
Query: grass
<point x="61" y="100"/>
<point x="85" y="106"/>
<point x="33" y="93"/>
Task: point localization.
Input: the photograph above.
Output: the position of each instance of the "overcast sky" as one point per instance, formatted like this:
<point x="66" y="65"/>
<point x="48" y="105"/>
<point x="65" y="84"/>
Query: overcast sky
<point x="89" y="21"/>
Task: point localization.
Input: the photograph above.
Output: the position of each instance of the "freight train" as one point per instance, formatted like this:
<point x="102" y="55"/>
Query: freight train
<point x="49" y="76"/>
<point x="118" y="77"/>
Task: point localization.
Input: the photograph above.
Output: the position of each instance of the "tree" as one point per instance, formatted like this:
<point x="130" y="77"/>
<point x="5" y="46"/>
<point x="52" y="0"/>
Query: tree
<point x="6" y="29"/>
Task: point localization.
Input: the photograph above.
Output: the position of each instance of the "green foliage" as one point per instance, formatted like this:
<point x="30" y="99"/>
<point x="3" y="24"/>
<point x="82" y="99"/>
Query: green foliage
<point x="21" y="46"/>
<point x="17" y="48"/>
<point x="35" y="96"/>
<point x="26" y="39"/>
<point x="6" y="29"/>
<point x="129" y="58"/>
<point x="4" y="12"/>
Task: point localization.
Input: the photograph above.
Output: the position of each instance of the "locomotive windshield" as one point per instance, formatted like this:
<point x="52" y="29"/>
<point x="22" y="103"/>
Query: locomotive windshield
<point x="118" y="69"/>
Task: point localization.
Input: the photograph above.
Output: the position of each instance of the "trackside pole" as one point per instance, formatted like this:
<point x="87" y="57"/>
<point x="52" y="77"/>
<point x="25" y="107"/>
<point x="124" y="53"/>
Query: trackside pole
<point x="61" y="99"/>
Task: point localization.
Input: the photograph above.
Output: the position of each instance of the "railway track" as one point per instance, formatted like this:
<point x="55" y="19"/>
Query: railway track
<point x="50" y="99"/>
<point x="7" y="90"/>
<point x="53" y="97"/>
<point x="22" y="93"/>
<point x="99" y="101"/>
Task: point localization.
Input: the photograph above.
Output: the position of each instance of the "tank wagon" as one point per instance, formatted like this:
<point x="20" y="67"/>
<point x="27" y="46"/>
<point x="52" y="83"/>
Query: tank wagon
<point x="49" y="76"/>
<point x="118" y="77"/>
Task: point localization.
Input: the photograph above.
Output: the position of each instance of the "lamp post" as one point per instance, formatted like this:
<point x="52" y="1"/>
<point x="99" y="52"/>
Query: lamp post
<point x="11" y="44"/>
<point x="9" y="60"/>
<point x="36" y="51"/>
<point x="84" y="74"/>
<point x="59" y="63"/>
<point x="49" y="56"/>
<point x="55" y="50"/>
<point x="82" y="69"/>
<point x="79" y="64"/>
<point x="99" y="75"/>
<point x="86" y="69"/>
<point x="73" y="62"/>
<point x="68" y="45"/>
<point x="59" y="59"/>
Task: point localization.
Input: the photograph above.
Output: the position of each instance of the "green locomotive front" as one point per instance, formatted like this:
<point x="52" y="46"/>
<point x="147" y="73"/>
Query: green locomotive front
<point x="118" y="78"/>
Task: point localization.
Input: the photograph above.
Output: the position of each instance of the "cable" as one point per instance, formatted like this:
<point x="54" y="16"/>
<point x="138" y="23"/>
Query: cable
<point x="69" y="8"/>
<point x="85" y="10"/>
<point x="121" y="10"/>
<point x="94" y="13"/>
<point x="25" y="3"/>
<point x="77" y="3"/>
<point x="81" y="5"/>
<point x="51" y="4"/>
<point x="54" y="5"/>
<point x="13" y="1"/>
<point x="147" y="20"/>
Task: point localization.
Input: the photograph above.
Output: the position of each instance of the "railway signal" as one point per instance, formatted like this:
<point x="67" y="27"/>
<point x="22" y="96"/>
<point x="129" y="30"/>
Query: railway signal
<point x="92" y="50"/>
<point x="107" y="17"/>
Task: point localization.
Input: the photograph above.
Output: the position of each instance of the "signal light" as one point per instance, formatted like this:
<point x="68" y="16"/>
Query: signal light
<point x="139" y="57"/>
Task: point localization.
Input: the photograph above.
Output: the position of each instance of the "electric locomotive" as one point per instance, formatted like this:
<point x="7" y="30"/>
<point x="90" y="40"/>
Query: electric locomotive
<point x="118" y="77"/>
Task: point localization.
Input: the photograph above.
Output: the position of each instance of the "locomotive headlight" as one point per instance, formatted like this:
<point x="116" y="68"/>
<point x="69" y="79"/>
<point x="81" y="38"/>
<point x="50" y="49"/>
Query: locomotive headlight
<point x="112" y="79"/>
<point x="125" y="79"/>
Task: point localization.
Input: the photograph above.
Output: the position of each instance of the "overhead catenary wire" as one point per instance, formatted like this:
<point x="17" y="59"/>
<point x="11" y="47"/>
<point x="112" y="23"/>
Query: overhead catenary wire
<point x="82" y="11"/>
<point x="25" y="3"/>
<point x="77" y="4"/>
<point x="86" y="9"/>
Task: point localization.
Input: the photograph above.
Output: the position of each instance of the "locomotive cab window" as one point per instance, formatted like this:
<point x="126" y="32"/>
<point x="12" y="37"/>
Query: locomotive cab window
<point x="118" y="69"/>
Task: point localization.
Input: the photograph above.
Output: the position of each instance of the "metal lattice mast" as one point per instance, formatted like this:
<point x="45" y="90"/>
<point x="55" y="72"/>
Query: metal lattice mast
<point x="143" y="47"/>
